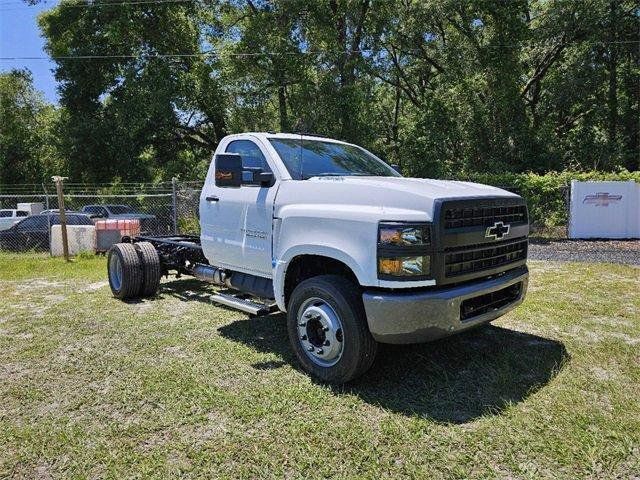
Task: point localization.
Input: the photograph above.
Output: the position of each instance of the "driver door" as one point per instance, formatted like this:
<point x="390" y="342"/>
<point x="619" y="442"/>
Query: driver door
<point x="236" y="223"/>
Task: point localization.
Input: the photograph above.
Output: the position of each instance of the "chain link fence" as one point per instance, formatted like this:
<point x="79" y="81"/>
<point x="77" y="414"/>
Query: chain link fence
<point x="28" y="212"/>
<point x="187" y="203"/>
<point x="167" y="209"/>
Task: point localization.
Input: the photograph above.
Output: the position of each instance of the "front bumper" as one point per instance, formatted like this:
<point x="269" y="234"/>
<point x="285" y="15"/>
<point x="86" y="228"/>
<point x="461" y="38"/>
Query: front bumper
<point x="420" y="316"/>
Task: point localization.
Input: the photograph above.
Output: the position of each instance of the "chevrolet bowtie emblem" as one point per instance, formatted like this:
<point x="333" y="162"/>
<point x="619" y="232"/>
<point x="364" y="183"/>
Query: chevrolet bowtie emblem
<point x="601" y="199"/>
<point x="498" y="230"/>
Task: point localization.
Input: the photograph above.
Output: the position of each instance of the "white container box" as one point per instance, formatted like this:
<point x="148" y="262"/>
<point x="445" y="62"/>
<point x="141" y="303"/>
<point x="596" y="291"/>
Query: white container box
<point x="82" y="238"/>
<point x="32" y="208"/>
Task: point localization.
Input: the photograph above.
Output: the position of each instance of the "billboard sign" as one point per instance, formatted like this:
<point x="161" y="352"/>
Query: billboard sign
<point x="604" y="210"/>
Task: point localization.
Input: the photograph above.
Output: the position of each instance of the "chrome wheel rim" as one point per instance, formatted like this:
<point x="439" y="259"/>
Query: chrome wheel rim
<point x="115" y="271"/>
<point x="320" y="332"/>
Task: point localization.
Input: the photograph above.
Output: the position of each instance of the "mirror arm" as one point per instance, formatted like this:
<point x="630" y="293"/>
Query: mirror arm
<point x="266" y="179"/>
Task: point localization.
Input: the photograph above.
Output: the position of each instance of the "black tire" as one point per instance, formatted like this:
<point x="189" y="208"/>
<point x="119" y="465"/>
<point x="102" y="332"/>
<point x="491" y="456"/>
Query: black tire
<point x="151" y="271"/>
<point x="359" y="348"/>
<point x="127" y="282"/>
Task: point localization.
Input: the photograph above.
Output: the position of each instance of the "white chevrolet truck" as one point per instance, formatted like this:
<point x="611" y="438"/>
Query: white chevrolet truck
<point x="354" y="253"/>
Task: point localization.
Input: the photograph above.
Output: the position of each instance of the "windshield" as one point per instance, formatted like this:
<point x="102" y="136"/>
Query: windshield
<point x="120" y="209"/>
<point x="315" y="158"/>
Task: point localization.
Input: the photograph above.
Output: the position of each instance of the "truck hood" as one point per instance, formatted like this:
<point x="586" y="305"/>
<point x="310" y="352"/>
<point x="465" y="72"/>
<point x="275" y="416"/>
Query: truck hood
<point x="422" y="187"/>
<point x="385" y="197"/>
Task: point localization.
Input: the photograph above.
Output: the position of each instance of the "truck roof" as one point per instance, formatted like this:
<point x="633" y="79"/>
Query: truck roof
<point x="294" y="136"/>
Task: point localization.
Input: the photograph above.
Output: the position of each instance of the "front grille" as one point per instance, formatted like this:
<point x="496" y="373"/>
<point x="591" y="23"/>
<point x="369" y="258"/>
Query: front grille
<point x="488" y="302"/>
<point x="477" y="258"/>
<point x="459" y="217"/>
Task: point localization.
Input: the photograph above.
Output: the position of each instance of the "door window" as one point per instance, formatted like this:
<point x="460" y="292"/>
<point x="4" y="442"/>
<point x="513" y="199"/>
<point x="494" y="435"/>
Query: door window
<point x="250" y="153"/>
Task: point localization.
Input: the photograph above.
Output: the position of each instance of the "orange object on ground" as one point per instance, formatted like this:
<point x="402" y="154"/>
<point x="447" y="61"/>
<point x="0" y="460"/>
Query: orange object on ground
<point x="127" y="227"/>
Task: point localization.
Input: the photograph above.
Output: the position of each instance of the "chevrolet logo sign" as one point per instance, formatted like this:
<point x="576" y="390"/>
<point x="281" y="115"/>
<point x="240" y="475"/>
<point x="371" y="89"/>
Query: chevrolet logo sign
<point x="601" y="199"/>
<point x="498" y="230"/>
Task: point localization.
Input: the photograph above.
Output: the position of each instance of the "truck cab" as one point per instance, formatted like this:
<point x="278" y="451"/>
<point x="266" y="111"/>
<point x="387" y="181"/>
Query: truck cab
<point x="353" y="252"/>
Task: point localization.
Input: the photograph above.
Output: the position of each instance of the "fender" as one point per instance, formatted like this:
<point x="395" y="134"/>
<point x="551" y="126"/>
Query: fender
<point x="281" y="265"/>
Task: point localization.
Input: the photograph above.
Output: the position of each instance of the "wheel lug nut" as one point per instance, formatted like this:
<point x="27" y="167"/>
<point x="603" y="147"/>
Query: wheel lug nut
<point x="327" y="343"/>
<point x="302" y="324"/>
<point x="325" y="329"/>
<point x="303" y="337"/>
<point x="310" y="348"/>
<point x="319" y="351"/>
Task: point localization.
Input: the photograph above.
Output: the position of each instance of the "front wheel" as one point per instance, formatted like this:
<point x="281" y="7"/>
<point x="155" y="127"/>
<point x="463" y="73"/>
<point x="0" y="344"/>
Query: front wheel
<point x="328" y="329"/>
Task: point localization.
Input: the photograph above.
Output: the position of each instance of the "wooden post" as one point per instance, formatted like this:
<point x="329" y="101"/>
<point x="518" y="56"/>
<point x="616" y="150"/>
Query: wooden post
<point x="63" y="216"/>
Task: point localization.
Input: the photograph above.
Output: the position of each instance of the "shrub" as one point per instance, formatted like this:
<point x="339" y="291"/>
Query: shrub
<point x="189" y="225"/>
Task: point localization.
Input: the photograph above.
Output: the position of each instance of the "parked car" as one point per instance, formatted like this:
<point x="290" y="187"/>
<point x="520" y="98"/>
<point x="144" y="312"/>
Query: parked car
<point x="11" y="216"/>
<point x="57" y="210"/>
<point x="69" y="212"/>
<point x="32" y="233"/>
<point x="121" y="212"/>
<point x="355" y="254"/>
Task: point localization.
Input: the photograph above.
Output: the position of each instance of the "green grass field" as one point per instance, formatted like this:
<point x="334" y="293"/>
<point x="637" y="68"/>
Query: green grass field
<point x="91" y="387"/>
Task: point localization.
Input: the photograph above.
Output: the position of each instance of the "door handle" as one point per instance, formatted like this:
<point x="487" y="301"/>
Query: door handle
<point x="212" y="199"/>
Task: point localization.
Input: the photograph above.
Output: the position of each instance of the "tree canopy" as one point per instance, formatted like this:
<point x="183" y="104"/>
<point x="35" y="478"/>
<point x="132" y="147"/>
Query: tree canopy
<point x="28" y="131"/>
<point x="440" y="87"/>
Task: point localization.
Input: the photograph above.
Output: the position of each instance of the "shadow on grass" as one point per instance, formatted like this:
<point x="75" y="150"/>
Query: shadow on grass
<point x="453" y="380"/>
<point x="187" y="289"/>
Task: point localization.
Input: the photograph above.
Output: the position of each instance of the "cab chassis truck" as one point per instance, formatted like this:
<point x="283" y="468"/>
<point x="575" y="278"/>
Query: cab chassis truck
<point x="354" y="253"/>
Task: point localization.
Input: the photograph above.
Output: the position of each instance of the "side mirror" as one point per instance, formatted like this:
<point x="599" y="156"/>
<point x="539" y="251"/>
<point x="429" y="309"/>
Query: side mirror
<point x="228" y="170"/>
<point x="255" y="176"/>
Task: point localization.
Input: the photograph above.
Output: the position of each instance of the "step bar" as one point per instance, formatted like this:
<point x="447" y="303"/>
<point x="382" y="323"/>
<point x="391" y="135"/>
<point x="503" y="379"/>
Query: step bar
<point x="244" y="305"/>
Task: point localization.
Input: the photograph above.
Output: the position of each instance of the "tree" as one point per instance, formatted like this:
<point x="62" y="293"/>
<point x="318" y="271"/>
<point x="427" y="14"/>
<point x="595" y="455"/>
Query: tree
<point x="441" y="87"/>
<point x="143" y="96"/>
<point x="28" y="131"/>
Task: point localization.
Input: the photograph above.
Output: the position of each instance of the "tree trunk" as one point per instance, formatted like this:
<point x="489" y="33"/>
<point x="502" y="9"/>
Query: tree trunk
<point x="395" y="128"/>
<point x="282" y="108"/>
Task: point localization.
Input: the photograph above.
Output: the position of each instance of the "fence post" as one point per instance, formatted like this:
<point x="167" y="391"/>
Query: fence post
<point x="46" y="197"/>
<point x="174" y="201"/>
<point x="63" y="216"/>
<point x="46" y="207"/>
<point x="567" y="206"/>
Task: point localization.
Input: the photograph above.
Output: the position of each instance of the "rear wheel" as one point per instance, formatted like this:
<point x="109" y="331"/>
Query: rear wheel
<point x="124" y="268"/>
<point x="328" y="329"/>
<point x="150" y="268"/>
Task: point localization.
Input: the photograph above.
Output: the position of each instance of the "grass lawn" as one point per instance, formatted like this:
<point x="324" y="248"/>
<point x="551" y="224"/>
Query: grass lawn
<point x="94" y="387"/>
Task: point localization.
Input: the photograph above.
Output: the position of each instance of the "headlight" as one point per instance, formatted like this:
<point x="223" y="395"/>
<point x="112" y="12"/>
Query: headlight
<point x="405" y="266"/>
<point x="403" y="250"/>
<point x="398" y="234"/>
